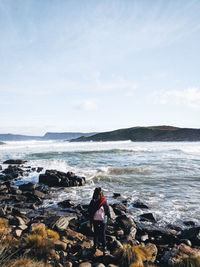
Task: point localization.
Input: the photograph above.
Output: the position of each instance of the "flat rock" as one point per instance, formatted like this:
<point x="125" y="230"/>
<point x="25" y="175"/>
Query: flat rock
<point x="139" y="204"/>
<point x="150" y="217"/>
<point x="59" y="223"/>
<point x="15" y="161"/>
<point x="27" y="187"/>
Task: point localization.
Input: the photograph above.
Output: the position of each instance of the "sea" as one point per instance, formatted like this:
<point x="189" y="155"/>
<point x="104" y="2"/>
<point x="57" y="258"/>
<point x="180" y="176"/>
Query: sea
<point x="163" y="175"/>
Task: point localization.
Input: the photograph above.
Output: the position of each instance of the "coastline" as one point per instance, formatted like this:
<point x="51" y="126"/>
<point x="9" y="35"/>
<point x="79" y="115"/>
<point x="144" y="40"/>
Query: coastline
<point x="22" y="207"/>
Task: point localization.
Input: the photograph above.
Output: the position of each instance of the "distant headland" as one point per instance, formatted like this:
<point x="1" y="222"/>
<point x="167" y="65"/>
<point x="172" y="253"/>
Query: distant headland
<point x="154" y="133"/>
<point x="139" y="134"/>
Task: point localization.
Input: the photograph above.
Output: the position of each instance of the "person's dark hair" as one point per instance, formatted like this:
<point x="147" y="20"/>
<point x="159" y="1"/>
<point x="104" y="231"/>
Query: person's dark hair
<point x="98" y="193"/>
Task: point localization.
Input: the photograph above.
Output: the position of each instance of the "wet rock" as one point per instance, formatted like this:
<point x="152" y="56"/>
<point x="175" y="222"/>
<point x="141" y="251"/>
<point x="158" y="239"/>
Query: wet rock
<point x="176" y="255"/>
<point x="15" y="191"/>
<point x="119" y="209"/>
<point x="66" y="203"/>
<point x="150" y="217"/>
<point x="39" y="169"/>
<point x="39" y="194"/>
<point x="189" y="223"/>
<point x="116" y="195"/>
<point x="61" y="179"/>
<point x="193" y="234"/>
<point x="15" y="161"/>
<point x="27" y="187"/>
<point x="127" y="224"/>
<point x="140" y="205"/>
<point x="0" y="167"/>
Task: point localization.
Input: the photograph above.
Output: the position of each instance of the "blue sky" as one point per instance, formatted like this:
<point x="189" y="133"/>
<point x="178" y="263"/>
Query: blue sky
<point x="80" y="65"/>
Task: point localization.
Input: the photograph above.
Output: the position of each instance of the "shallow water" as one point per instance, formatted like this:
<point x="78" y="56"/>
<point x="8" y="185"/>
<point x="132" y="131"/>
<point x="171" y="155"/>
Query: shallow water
<point x="165" y="175"/>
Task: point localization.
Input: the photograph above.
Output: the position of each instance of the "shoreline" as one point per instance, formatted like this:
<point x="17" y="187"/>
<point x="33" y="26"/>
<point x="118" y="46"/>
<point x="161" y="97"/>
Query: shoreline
<point x="22" y="206"/>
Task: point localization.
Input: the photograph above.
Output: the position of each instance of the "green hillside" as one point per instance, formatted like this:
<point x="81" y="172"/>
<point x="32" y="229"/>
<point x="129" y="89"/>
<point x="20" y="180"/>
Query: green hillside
<point x="154" y="133"/>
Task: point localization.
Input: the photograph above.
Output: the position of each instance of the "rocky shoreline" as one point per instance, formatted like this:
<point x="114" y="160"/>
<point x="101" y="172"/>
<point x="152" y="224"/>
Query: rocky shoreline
<point x="21" y="208"/>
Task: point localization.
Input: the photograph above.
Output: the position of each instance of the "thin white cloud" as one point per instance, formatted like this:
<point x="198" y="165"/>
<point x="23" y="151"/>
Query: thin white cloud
<point x="189" y="97"/>
<point x="88" y="105"/>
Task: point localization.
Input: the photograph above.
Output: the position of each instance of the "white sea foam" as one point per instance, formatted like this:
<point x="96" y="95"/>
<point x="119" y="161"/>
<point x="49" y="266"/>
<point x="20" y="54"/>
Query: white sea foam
<point x="163" y="174"/>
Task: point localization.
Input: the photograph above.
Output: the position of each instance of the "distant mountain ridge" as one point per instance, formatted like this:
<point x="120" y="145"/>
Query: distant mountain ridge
<point x="154" y="133"/>
<point x="65" y="135"/>
<point x="47" y="136"/>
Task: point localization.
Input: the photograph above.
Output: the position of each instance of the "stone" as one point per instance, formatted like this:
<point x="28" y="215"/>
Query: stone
<point x="1" y="168"/>
<point x="66" y="203"/>
<point x="126" y="223"/>
<point x="176" y="255"/>
<point x="193" y="234"/>
<point x="39" y="169"/>
<point x="27" y="187"/>
<point x="3" y="187"/>
<point x="189" y="223"/>
<point x="15" y="161"/>
<point x="17" y="221"/>
<point x="61" y="179"/>
<point x="75" y="236"/>
<point x="39" y="194"/>
<point x="144" y="238"/>
<point x="153" y="250"/>
<point x="60" y="245"/>
<point x="119" y="209"/>
<point x="85" y="264"/>
<point x="116" y="195"/>
<point x="140" y="205"/>
<point x="98" y="265"/>
<point x="150" y="217"/>
<point x="59" y="223"/>
<point x="17" y="232"/>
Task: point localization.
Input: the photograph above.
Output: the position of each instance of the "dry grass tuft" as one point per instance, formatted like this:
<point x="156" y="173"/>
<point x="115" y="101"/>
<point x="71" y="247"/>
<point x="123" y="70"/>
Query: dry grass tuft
<point x="40" y="230"/>
<point x="40" y="247"/>
<point x="25" y="262"/>
<point x="52" y="235"/>
<point x="133" y="256"/>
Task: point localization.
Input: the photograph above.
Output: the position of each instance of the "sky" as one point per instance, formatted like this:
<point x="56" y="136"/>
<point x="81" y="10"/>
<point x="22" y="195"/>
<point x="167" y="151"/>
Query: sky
<point x="98" y="65"/>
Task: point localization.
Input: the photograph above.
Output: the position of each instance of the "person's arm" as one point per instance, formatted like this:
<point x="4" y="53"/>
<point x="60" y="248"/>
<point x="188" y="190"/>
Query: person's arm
<point x="107" y="209"/>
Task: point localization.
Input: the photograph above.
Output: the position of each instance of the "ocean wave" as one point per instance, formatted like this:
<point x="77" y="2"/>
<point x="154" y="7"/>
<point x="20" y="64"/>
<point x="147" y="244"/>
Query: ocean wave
<point x="128" y="170"/>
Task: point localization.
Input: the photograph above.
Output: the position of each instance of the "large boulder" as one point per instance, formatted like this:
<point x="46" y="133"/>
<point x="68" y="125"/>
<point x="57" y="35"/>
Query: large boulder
<point x="193" y="234"/>
<point x="15" y="161"/>
<point x="140" y="205"/>
<point x="119" y="209"/>
<point x="59" y="223"/>
<point x="178" y="253"/>
<point x="61" y="179"/>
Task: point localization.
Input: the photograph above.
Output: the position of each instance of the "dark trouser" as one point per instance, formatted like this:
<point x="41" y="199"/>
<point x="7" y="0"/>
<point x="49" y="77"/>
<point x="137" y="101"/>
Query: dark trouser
<point x="99" y="233"/>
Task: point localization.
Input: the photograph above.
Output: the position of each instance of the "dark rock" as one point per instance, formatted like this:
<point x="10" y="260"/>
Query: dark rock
<point x="27" y="187"/>
<point x="150" y="217"/>
<point x="0" y="167"/>
<point x="125" y="223"/>
<point x="19" y="198"/>
<point x="189" y="223"/>
<point x="61" y="179"/>
<point x="116" y="195"/>
<point x="140" y="205"/>
<point x="15" y="191"/>
<point x="15" y="161"/>
<point x="3" y="187"/>
<point x="39" y="169"/>
<point x="66" y="203"/>
<point x="193" y="234"/>
<point x="186" y="242"/>
<point x="39" y="194"/>
<point x="119" y="209"/>
<point x="176" y="255"/>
